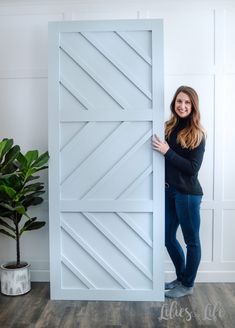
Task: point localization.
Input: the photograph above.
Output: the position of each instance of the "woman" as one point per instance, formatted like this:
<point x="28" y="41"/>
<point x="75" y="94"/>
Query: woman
<point x="183" y="150"/>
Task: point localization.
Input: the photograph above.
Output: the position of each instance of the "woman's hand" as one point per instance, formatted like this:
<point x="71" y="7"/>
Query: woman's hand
<point x="159" y="145"/>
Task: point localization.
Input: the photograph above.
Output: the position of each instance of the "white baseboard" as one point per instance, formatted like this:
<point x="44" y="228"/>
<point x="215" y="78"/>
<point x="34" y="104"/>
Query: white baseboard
<point x="207" y="276"/>
<point x="40" y="271"/>
<point x="40" y="275"/>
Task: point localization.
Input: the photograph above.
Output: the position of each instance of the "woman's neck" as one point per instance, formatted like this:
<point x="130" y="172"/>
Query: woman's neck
<point x="182" y="123"/>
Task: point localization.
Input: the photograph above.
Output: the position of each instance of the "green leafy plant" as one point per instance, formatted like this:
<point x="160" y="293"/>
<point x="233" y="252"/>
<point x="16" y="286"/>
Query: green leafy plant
<point x="19" y="190"/>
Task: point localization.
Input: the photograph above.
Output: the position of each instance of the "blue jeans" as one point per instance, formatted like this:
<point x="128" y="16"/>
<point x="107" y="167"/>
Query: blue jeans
<point x="184" y="210"/>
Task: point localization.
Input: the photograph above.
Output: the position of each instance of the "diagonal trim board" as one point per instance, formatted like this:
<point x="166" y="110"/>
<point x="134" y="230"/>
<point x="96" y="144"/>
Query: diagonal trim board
<point x="117" y="64"/>
<point x="110" y="91"/>
<point x="119" y="245"/>
<point x="76" y="94"/>
<point x="117" y="165"/>
<point x="72" y="134"/>
<point x="133" y="185"/>
<point x="131" y="223"/>
<point x="92" y="156"/>
<point x="77" y="272"/>
<point x="124" y="36"/>
<point x="96" y="257"/>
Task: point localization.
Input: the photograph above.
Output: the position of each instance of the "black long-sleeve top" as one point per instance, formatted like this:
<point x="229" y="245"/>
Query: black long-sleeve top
<point x="182" y="164"/>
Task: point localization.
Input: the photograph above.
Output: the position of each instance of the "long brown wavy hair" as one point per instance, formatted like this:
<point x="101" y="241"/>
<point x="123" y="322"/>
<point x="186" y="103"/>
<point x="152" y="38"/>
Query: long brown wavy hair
<point x="192" y="135"/>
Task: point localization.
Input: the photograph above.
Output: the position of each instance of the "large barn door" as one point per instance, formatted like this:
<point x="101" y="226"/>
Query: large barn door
<point x="106" y="184"/>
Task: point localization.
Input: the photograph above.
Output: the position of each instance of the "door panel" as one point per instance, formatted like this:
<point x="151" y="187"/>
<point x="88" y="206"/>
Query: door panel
<point x="106" y="185"/>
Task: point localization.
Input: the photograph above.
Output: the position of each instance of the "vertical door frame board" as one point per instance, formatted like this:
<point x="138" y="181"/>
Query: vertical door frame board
<point x="158" y="160"/>
<point x="54" y="168"/>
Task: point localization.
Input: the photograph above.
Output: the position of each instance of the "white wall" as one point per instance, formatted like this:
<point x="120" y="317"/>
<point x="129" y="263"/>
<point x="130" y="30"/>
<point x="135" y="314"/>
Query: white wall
<point x="199" y="51"/>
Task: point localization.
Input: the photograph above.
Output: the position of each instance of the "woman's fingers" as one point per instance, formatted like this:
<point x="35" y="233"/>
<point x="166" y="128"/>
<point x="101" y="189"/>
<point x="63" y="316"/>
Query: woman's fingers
<point x="156" y="144"/>
<point x="159" y="145"/>
<point x="156" y="138"/>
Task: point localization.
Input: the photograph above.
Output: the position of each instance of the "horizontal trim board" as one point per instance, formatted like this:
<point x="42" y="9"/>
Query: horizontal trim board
<point x="105" y="206"/>
<point x="113" y="25"/>
<point x="112" y="295"/>
<point x="82" y="205"/>
<point x="105" y="115"/>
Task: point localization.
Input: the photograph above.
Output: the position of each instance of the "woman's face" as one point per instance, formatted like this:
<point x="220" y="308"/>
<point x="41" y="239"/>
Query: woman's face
<point x="183" y="105"/>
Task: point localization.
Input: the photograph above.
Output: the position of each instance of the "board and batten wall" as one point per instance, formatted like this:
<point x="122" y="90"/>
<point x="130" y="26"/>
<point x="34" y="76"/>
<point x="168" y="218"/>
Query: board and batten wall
<point x="199" y="50"/>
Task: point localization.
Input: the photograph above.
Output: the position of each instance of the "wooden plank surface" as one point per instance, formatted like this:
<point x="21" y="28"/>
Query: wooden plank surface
<point x="211" y="305"/>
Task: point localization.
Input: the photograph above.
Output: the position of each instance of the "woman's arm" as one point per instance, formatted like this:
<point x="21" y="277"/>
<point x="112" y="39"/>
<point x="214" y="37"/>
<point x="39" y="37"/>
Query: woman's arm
<point x="189" y="165"/>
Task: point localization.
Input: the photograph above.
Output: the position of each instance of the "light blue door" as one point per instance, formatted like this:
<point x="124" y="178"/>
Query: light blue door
<point x="105" y="183"/>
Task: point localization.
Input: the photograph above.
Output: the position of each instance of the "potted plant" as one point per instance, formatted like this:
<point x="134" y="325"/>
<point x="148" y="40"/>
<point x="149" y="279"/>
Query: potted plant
<point x="19" y="190"/>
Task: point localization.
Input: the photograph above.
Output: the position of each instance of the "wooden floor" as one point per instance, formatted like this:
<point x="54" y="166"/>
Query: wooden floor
<point x="211" y="305"/>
